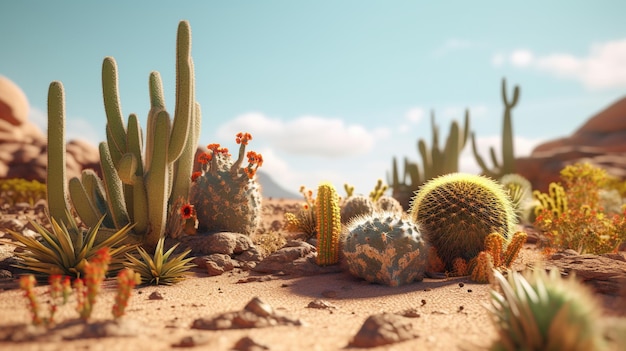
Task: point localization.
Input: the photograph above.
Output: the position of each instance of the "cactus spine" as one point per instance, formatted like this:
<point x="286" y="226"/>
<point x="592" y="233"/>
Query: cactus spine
<point x="328" y="224"/>
<point x="135" y="189"/>
<point x="507" y="166"/>
<point x="459" y="210"/>
<point x="435" y="162"/>
<point x="385" y="248"/>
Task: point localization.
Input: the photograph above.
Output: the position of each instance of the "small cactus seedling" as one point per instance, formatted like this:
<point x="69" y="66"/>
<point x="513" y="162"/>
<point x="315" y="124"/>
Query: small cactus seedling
<point x="225" y="196"/>
<point x="542" y="311"/>
<point x="458" y="211"/>
<point x="328" y="224"/>
<point x="495" y="256"/>
<point x="385" y="248"/>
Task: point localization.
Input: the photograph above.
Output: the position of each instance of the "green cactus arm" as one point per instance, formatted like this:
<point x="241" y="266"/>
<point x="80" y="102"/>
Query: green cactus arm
<point x="140" y="207"/>
<point x="426" y="160"/>
<point x="114" y="188"/>
<point x="110" y="92"/>
<point x="127" y="168"/>
<point x="394" y="180"/>
<point x="157" y="104"/>
<point x="115" y="153"/>
<point x="508" y="149"/>
<point x="328" y="224"/>
<point x="481" y="162"/>
<point x="134" y="142"/>
<point x="86" y="210"/>
<point x="494" y="159"/>
<point x="184" y="102"/>
<point x="95" y="189"/>
<point x="56" y="175"/>
<point x="157" y="179"/>
<point x="412" y="170"/>
<point x="466" y="128"/>
<point x="451" y="151"/>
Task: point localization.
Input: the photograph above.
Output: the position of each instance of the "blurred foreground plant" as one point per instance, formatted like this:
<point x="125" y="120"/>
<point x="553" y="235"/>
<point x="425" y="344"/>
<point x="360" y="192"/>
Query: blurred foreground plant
<point x="13" y="191"/>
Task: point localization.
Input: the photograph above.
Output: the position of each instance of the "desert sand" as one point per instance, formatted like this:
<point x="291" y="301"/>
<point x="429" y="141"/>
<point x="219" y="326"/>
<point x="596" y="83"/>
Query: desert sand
<point x="446" y="314"/>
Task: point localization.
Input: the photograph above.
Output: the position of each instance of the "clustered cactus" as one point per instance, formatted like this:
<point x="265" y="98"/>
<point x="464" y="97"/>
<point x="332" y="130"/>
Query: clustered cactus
<point x="385" y="248"/>
<point x="138" y="187"/>
<point x="225" y="195"/>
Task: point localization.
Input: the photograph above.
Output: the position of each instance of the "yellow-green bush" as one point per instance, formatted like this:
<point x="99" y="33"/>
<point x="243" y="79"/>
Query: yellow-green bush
<point x="17" y="190"/>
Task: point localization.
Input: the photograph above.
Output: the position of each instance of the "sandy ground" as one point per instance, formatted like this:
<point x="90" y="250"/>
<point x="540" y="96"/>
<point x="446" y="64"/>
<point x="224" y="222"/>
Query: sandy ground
<point x="452" y="312"/>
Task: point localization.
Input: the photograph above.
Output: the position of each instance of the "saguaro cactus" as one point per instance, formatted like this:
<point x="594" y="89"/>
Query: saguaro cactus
<point x="328" y="224"/>
<point x="507" y="166"/>
<point x="137" y="189"/>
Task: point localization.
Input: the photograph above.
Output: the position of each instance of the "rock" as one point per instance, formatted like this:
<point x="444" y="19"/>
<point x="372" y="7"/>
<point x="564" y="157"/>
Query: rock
<point x="248" y="344"/>
<point x="295" y="258"/>
<point x="24" y="148"/>
<point x="193" y="340"/>
<point x="155" y="295"/>
<point x="13" y="103"/>
<point x="600" y="141"/>
<point x="321" y="305"/>
<point x="606" y="274"/>
<point x="221" y="243"/>
<point x="256" y="314"/>
<point x="383" y="329"/>
<point x="217" y="264"/>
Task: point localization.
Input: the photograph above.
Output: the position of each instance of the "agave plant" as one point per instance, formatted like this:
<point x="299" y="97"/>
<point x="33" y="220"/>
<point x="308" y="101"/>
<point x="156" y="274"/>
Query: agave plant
<point x="65" y="249"/>
<point x="542" y="311"/>
<point x="160" y="269"/>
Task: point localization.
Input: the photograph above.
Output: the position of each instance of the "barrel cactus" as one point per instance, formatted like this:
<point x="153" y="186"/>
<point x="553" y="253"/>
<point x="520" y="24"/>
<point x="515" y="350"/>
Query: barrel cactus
<point x="356" y="205"/>
<point x="388" y="204"/>
<point x="385" y="248"/>
<point x="226" y="196"/>
<point x="458" y="211"/>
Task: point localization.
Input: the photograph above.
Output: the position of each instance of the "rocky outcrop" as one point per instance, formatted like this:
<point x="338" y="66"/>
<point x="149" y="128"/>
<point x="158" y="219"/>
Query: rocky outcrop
<point x="600" y="141"/>
<point x="23" y="147"/>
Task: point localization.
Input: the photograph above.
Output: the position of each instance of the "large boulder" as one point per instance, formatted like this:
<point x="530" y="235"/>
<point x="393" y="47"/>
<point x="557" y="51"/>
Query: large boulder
<point x="600" y="141"/>
<point x="23" y="146"/>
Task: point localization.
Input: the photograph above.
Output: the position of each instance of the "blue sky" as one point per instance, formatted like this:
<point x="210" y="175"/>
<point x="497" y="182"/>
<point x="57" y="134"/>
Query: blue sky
<point x="330" y="90"/>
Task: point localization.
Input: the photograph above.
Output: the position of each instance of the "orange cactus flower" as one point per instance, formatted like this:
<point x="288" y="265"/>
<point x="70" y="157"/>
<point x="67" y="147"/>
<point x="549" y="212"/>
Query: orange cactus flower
<point x="187" y="211"/>
<point x="243" y="138"/>
<point x="213" y="146"/>
<point x="204" y="158"/>
<point x="195" y="175"/>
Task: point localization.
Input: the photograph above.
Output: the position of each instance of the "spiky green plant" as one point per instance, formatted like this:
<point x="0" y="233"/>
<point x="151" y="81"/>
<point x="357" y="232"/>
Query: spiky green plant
<point x="160" y="268"/>
<point x="385" y="248"/>
<point x="458" y="211"/>
<point x="521" y="193"/>
<point x="542" y="311"/>
<point x="66" y="248"/>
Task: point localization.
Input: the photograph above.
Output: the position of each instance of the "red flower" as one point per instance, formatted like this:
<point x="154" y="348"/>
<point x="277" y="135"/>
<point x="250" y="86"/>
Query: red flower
<point x="213" y="147"/>
<point x="195" y="176"/>
<point x="204" y="158"/>
<point x="243" y="138"/>
<point x="187" y="211"/>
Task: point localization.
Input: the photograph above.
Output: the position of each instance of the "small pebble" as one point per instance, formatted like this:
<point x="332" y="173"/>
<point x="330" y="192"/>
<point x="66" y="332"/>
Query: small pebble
<point x="155" y="295"/>
<point x="461" y="285"/>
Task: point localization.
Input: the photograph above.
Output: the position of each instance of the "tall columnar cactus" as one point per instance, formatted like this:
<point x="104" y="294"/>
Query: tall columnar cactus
<point x="137" y="186"/>
<point x="435" y="162"/>
<point x="385" y="248"/>
<point x="458" y="211"/>
<point x="227" y="197"/>
<point x="56" y="182"/>
<point x="328" y="224"/>
<point x="507" y="166"/>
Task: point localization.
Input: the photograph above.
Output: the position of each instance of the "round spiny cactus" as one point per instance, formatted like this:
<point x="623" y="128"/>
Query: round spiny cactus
<point x="520" y="191"/>
<point x="385" y="248"/>
<point x="458" y="211"/>
<point x="354" y="206"/>
<point x="541" y="311"/>
<point x="388" y="204"/>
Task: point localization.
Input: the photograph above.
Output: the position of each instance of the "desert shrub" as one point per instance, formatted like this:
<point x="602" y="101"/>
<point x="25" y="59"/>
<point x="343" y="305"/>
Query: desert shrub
<point x="572" y="216"/>
<point x="17" y="190"/>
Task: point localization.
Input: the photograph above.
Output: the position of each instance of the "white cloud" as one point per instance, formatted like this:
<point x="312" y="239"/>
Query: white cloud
<point x="453" y="45"/>
<point x="39" y="118"/>
<point x="305" y="135"/>
<point x="521" y="58"/>
<point x="604" y="67"/>
<point x="498" y="59"/>
<point x="415" y="115"/>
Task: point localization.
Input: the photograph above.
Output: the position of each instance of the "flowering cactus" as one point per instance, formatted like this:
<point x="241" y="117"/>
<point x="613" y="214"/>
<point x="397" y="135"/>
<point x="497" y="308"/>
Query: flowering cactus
<point x="226" y="196"/>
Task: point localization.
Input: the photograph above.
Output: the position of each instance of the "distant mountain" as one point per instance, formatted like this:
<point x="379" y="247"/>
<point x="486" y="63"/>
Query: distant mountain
<point x="269" y="188"/>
